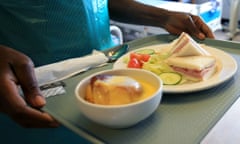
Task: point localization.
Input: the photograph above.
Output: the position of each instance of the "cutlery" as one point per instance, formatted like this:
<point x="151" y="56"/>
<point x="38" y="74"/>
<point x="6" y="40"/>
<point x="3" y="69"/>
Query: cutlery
<point x="116" y="52"/>
<point x="57" y="87"/>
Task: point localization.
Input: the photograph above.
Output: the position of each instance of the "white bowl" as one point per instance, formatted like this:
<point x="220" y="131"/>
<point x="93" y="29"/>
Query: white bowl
<point x="126" y="115"/>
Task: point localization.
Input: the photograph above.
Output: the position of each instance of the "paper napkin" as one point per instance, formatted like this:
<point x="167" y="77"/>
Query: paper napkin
<point x="64" y="69"/>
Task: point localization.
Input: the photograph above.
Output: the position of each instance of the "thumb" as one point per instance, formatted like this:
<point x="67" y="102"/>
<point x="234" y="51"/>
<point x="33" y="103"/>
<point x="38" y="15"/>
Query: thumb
<point x="32" y="94"/>
<point x="37" y="101"/>
<point x="24" y="71"/>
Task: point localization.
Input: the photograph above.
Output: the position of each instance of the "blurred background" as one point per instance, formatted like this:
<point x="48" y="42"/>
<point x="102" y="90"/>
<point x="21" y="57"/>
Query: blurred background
<point x="222" y="16"/>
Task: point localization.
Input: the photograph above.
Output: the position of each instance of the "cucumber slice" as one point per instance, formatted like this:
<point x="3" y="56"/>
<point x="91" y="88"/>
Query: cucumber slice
<point x="170" y="78"/>
<point x="146" y="51"/>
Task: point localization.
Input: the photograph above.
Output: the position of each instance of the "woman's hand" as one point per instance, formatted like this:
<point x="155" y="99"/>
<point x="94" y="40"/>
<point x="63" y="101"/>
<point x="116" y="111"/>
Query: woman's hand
<point x="17" y="70"/>
<point x="178" y="22"/>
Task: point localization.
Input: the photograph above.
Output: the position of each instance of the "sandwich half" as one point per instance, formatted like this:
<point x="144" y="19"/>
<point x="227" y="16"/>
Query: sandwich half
<point x="195" y="68"/>
<point x="186" y="46"/>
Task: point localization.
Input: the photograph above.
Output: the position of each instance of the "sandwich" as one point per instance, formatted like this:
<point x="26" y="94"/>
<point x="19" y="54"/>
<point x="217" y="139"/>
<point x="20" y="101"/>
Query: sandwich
<point x="186" y="46"/>
<point x="194" y="68"/>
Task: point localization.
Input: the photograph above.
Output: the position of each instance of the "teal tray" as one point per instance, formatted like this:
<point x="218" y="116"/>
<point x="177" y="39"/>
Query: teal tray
<point x="180" y="118"/>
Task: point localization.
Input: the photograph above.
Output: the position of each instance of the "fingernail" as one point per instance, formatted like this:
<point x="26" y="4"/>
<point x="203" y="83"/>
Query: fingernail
<point x="201" y="36"/>
<point x="39" y="100"/>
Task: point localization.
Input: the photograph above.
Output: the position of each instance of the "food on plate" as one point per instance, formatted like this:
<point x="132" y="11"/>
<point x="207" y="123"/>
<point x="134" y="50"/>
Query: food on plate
<point x="194" y="68"/>
<point x="145" y="51"/>
<point x="116" y="90"/>
<point x="136" y="60"/>
<point x="188" y="58"/>
<point x="171" y="78"/>
<point x="186" y="46"/>
<point x="183" y="61"/>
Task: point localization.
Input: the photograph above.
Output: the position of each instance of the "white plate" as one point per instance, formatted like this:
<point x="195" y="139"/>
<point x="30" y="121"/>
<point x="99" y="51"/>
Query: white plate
<point x="227" y="67"/>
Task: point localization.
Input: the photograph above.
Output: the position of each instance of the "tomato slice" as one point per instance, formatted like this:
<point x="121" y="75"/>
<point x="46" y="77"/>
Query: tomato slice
<point x="137" y="60"/>
<point x="140" y="57"/>
<point x="145" y="57"/>
<point x="136" y="56"/>
<point x="134" y="63"/>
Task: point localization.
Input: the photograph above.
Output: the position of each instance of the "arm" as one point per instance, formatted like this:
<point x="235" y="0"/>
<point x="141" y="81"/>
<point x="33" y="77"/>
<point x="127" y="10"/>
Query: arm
<point x="16" y="69"/>
<point x="130" y="11"/>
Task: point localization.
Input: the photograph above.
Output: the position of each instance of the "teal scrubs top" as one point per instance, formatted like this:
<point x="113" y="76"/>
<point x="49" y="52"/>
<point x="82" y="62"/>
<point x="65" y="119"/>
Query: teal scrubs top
<point x="49" y="31"/>
<point x="52" y="30"/>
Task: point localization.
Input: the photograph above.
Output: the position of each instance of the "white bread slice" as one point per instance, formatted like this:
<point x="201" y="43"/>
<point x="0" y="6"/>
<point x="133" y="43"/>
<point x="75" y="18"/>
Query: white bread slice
<point x="186" y="46"/>
<point x="191" y="62"/>
<point x="193" y="67"/>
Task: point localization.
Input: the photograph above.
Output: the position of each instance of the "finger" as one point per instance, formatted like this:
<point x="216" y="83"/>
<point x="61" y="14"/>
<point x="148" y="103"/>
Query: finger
<point x="193" y="29"/>
<point x="14" y="105"/>
<point x="184" y="24"/>
<point x="203" y="27"/>
<point x="25" y="74"/>
<point x="32" y="118"/>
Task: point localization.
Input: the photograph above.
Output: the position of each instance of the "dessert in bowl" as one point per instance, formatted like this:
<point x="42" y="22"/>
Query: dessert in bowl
<point x="119" y="98"/>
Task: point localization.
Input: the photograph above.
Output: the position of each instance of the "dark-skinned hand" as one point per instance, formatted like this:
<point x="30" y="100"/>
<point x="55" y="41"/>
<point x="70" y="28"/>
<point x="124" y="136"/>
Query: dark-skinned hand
<point x="178" y="22"/>
<point x="17" y="70"/>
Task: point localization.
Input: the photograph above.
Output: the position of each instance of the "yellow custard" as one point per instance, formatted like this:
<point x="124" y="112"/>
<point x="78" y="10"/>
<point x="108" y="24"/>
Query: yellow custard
<point x="112" y="94"/>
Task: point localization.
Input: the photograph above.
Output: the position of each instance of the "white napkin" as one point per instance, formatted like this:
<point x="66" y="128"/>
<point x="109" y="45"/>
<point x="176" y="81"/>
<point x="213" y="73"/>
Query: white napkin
<point x="67" y="68"/>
